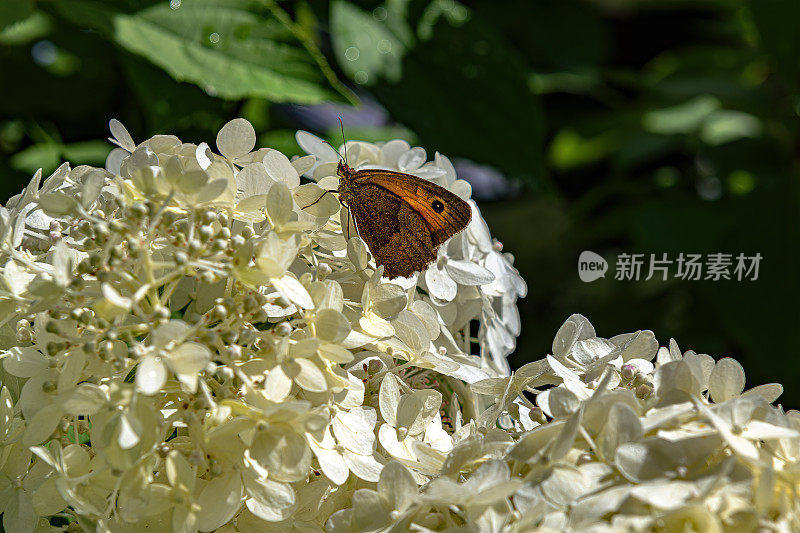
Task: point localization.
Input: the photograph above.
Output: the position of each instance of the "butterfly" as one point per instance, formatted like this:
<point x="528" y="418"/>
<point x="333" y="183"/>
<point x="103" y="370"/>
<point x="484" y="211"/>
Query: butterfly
<point x="403" y="219"/>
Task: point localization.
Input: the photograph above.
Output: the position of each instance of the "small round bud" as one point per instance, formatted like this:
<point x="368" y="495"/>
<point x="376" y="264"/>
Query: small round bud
<point x="323" y="270"/>
<point x="229" y="336"/>
<point x="194" y="246"/>
<point x="53" y="348"/>
<point x="284" y="329"/>
<point x="224" y="233"/>
<point x="219" y="312"/>
<point x="644" y="391"/>
<point x="233" y="352"/>
<point x="628" y="372"/>
<point x="180" y="258"/>
<point x="101" y="230"/>
<point x="95" y="260"/>
<point x="87" y="315"/>
<point x="537" y="415"/>
<point x="219" y="245"/>
<point x="205" y="233"/>
<point x="208" y="216"/>
<point x="222" y="218"/>
<point x="106" y="349"/>
<point x="85" y="266"/>
<point x="237" y="241"/>
<point x="247" y="336"/>
<point x="183" y="226"/>
<point x="215" y="469"/>
<point x="247" y="232"/>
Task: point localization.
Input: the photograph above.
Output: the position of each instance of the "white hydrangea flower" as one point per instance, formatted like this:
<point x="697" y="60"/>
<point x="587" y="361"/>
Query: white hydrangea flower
<point x="186" y="349"/>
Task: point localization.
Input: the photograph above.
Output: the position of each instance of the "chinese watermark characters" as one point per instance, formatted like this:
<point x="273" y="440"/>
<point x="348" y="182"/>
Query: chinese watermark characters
<point x="687" y="267"/>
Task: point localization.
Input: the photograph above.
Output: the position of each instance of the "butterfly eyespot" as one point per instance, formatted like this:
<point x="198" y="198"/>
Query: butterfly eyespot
<point x="437" y="206"/>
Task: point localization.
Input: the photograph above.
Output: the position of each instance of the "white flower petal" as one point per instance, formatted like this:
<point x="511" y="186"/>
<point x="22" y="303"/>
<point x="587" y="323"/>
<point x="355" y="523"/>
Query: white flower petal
<point x="293" y="290"/>
<point x="440" y="284"/>
<point x="468" y="273"/>
<point x="151" y="374"/>
<point x="237" y="138"/>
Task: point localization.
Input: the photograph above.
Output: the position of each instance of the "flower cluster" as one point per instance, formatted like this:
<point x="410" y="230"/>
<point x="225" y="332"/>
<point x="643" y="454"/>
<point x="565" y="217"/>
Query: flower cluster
<point x="189" y="343"/>
<point x="188" y="339"/>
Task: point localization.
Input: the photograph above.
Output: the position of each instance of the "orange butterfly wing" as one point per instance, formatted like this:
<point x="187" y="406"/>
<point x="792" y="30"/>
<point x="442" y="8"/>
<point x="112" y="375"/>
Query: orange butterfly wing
<point x="444" y="213"/>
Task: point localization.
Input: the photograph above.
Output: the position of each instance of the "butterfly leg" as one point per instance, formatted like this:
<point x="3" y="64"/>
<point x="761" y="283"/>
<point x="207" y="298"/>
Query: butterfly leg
<point x="320" y="198"/>
<point x="350" y="222"/>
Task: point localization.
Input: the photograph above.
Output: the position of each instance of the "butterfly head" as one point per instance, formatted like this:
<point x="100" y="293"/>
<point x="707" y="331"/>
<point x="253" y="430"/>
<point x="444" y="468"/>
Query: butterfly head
<point x="344" y="170"/>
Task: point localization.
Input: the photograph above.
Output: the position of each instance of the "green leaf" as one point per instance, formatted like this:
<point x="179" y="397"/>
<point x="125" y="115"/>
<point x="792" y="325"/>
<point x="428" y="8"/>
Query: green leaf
<point x="365" y="47"/>
<point x="464" y="92"/>
<point x="728" y="125"/>
<point x="24" y="31"/>
<point x="43" y="155"/>
<point x="223" y="47"/>
<point x="681" y="118"/>
<point x="14" y="12"/>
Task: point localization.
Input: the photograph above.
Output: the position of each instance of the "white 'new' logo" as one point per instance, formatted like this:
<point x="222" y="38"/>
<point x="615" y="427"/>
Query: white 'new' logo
<point x="591" y="266"/>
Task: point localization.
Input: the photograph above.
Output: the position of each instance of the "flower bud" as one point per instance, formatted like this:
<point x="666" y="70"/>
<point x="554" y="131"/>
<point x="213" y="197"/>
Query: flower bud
<point x="323" y="270"/>
<point x="219" y="313"/>
<point x="644" y="391"/>
<point x="628" y="372"/>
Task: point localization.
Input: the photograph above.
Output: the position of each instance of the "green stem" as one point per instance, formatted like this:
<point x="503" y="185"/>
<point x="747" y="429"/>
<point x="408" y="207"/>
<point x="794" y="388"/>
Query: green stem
<point x="312" y="49"/>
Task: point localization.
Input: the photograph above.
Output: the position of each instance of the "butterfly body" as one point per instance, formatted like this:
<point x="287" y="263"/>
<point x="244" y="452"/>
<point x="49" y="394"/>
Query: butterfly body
<point x="403" y="219"/>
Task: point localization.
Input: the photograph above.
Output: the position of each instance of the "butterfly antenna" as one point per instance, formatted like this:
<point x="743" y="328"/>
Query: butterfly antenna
<point x="344" y="141"/>
<point x="335" y="150"/>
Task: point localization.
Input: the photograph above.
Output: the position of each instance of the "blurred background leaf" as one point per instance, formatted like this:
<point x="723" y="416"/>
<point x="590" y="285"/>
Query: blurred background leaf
<point x="618" y="126"/>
